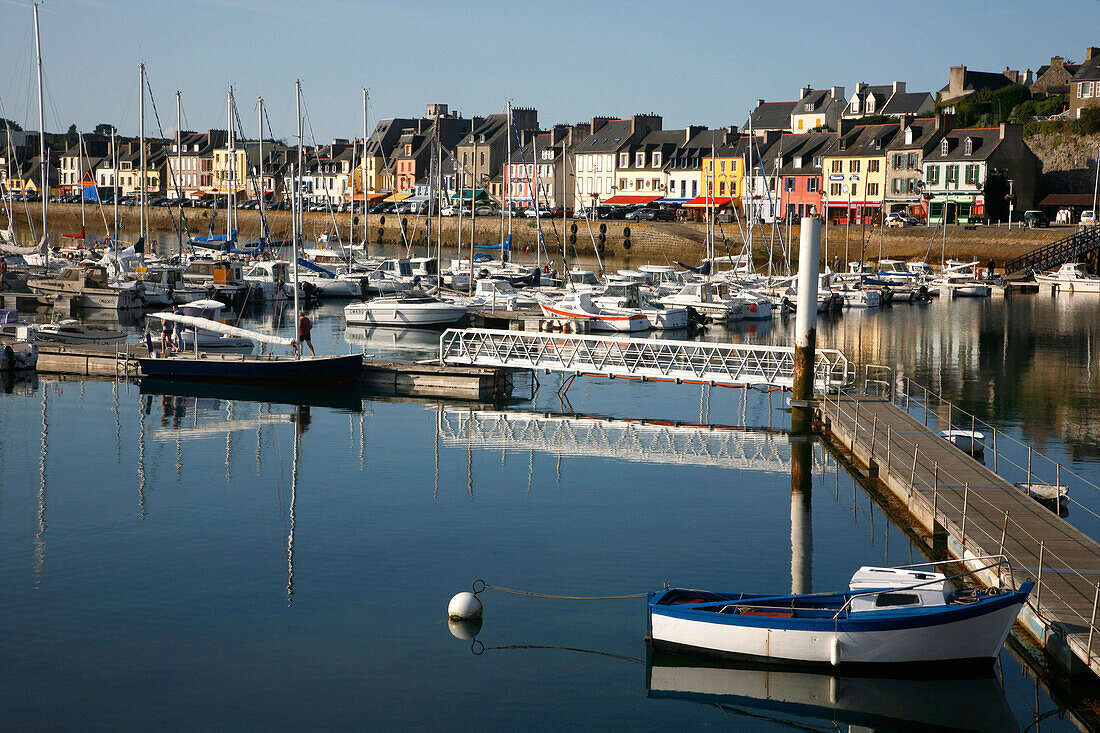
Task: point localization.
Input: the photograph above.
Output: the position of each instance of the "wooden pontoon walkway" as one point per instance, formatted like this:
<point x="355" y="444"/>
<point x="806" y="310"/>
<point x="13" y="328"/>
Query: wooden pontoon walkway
<point x="980" y="513"/>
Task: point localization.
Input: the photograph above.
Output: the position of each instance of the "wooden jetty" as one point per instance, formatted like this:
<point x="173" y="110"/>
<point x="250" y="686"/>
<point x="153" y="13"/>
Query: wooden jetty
<point x="395" y="378"/>
<point x="972" y="511"/>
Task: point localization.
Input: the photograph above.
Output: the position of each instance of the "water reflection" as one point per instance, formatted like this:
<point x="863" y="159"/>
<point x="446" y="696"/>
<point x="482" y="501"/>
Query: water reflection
<point x="794" y="697"/>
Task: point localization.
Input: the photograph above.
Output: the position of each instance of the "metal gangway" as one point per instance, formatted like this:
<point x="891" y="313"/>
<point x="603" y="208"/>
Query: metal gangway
<point x="1073" y="248"/>
<point x="645" y="359"/>
<point x="638" y="441"/>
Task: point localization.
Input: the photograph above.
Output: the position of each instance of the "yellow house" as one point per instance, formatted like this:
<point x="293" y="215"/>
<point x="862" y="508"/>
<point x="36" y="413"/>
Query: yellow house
<point x="723" y="174"/>
<point x="817" y="108"/>
<point x="854" y="173"/>
<point x="240" y="161"/>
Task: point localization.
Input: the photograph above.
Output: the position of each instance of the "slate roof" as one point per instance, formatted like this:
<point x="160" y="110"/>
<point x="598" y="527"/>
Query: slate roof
<point x="924" y="134"/>
<point x="806" y="146"/>
<point x="908" y="103"/>
<point x="985" y="140"/>
<point x="771" y="116"/>
<point x="1089" y="71"/>
<point x="863" y="141"/>
<point x="608" y="139"/>
<point x="975" y="81"/>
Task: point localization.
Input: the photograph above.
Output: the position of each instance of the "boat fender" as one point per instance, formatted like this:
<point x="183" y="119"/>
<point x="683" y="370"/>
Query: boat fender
<point x="752" y="307"/>
<point x="834" y="651"/>
<point x="464" y="605"/>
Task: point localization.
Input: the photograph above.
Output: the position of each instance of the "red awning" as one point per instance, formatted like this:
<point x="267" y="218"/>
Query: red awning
<point x="624" y="199"/>
<point x="705" y="201"/>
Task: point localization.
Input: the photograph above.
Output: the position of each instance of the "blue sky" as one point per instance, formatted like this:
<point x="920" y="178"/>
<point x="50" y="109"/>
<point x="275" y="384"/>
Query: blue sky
<point x="692" y="62"/>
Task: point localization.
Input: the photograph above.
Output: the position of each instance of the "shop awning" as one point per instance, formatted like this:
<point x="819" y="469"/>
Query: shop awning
<point x="672" y="202"/>
<point x="1068" y="199"/>
<point x="628" y="199"/>
<point x="396" y="197"/>
<point x="467" y="194"/>
<point x="705" y="201"/>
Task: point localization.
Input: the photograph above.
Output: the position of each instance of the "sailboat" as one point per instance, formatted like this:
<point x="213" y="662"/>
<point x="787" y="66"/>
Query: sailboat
<point x="270" y="368"/>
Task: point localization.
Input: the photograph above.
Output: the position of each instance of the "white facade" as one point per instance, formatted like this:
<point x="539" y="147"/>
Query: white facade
<point x="595" y="177"/>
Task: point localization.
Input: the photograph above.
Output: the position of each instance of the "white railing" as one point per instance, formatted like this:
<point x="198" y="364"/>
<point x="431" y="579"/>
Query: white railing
<point x="657" y="360"/>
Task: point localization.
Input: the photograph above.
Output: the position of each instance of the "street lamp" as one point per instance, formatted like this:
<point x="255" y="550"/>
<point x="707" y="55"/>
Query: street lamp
<point x="1011" y="199"/>
<point x="1095" y="186"/>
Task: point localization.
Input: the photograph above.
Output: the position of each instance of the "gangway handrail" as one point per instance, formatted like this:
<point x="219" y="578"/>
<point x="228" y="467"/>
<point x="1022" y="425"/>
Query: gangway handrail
<point x="641" y="358"/>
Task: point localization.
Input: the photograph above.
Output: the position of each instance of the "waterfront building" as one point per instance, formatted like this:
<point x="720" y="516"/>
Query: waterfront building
<point x="905" y="162"/>
<point x="373" y="159"/>
<point x="685" y="168"/>
<point x="641" y="171"/>
<point x="818" y="109"/>
<point x="599" y="156"/>
<point x="890" y="100"/>
<point x="855" y="172"/>
<point x="545" y="162"/>
<point x="801" y="158"/>
<point x="1053" y="78"/>
<point x="962" y="82"/>
<point x="128" y="177"/>
<point x="483" y="150"/>
<point x="1084" y="87"/>
<point x="967" y="174"/>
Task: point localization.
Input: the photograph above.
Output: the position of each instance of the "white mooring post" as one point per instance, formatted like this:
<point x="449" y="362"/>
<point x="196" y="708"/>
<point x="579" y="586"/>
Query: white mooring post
<point x="805" y="329"/>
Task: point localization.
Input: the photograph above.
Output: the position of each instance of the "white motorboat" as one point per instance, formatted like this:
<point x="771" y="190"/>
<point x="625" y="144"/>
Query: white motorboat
<point x="1071" y="278"/>
<point x="889" y="616"/>
<point x="628" y="296"/>
<point x="859" y="297"/>
<point x="224" y="280"/>
<point x="269" y="280"/>
<point x="89" y="287"/>
<point x="958" y="280"/>
<point x="17" y="355"/>
<point x="968" y="441"/>
<point x="72" y="331"/>
<point x="411" y="310"/>
<point x="188" y="338"/>
<point x="579" y="306"/>
<point x="701" y="297"/>
<point x="495" y="294"/>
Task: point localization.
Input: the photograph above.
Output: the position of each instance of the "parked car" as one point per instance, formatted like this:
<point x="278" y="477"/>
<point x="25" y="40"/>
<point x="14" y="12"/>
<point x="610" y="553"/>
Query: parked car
<point x="388" y="207"/>
<point x="1036" y="219"/>
<point x="486" y="211"/>
<point x="1088" y="217"/>
<point x="543" y="211"/>
<point x="455" y="210"/>
<point x="651" y="215"/>
<point x="901" y="220"/>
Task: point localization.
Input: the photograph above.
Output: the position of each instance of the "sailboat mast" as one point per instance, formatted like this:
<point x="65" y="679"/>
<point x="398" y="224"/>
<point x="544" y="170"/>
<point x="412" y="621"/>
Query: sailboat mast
<point x="230" y="173"/>
<point x="141" y="143"/>
<point x="363" y="172"/>
<point x="508" y="193"/>
<point x="179" y="173"/>
<point x="260" y="167"/>
<point x="80" y="175"/>
<point x="294" y="216"/>
<point x="114" y="180"/>
<point x="42" y="137"/>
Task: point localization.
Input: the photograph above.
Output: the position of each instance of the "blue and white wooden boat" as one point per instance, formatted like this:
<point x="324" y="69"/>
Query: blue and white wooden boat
<point x="889" y="616"/>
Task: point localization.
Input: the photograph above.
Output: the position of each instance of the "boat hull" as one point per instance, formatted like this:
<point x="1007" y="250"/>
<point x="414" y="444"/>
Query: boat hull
<point x="244" y="368"/>
<point x="958" y="633"/>
<point x="1068" y="285"/>
<point x="403" y="315"/>
<point x="626" y="323"/>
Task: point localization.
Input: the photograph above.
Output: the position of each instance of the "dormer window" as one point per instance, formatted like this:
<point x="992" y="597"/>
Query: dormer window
<point x="817" y="161"/>
<point x="624" y="160"/>
<point x="943" y="147"/>
<point x="639" y="160"/>
<point x="798" y="161"/>
<point x="843" y="144"/>
<point x="968" y="146"/>
<point x="909" y="136"/>
<point x="870" y="105"/>
<point x="855" y="105"/>
<point x="656" y="160"/>
<point x="809" y="106"/>
<point x="408" y="148"/>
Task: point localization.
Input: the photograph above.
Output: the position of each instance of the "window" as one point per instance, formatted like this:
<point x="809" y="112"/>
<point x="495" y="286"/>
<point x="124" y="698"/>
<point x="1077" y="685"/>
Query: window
<point x="694" y="189"/>
<point x="853" y="166"/>
<point x="968" y="147"/>
<point x="855" y="190"/>
<point x="799" y="123"/>
<point x="972" y="172"/>
<point x="817" y="161"/>
<point x="599" y="163"/>
<point x="483" y="158"/>
<point x="872" y="166"/>
<point x="911" y="164"/>
<point x="656" y="184"/>
<point x="721" y="188"/>
<point x="788" y="184"/>
<point x="656" y="160"/>
<point x="1080" y="87"/>
<point x="898" y="162"/>
<point x="638" y="184"/>
<point x="896" y="599"/>
<point x="834" y="189"/>
<point x="838" y="166"/>
<point x="895" y="187"/>
<point x="812" y="185"/>
<point x="683" y="189"/>
<point x="1088" y="89"/>
<point x="722" y="166"/>
<point x="952" y="174"/>
<point x="624" y="160"/>
<point x="639" y="160"/>
<point x="872" y="189"/>
<point x="622" y="184"/>
<point x="943" y="147"/>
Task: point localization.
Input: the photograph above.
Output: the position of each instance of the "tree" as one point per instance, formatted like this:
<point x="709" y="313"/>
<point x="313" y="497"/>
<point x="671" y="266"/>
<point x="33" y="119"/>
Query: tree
<point x="105" y="129"/>
<point x="72" y="136"/>
<point x="12" y="125"/>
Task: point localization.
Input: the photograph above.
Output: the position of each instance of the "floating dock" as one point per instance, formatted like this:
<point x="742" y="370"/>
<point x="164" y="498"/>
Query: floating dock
<point x="971" y="511"/>
<point x="395" y="378"/>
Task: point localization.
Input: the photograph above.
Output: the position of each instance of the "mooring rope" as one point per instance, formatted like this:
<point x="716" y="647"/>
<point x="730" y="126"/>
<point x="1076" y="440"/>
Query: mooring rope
<point x="485" y="586"/>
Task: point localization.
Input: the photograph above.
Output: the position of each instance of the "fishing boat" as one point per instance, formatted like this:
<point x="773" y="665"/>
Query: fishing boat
<point x="72" y="331"/>
<point x="1070" y="277"/>
<point x="900" y="615"/>
<point x="412" y="309"/>
<point x="579" y="306"/>
<point x="968" y="441"/>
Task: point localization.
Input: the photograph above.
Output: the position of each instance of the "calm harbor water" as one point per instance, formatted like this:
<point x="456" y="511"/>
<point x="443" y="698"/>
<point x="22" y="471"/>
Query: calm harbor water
<point x="197" y="558"/>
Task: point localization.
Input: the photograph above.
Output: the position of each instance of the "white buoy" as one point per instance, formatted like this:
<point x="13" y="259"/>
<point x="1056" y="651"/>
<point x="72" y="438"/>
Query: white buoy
<point x="464" y="605"/>
<point x="466" y="629"/>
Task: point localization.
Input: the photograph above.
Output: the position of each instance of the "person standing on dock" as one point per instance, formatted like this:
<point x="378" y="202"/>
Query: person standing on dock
<point x="305" y="326"/>
<point x="166" y="341"/>
<point x="3" y="271"/>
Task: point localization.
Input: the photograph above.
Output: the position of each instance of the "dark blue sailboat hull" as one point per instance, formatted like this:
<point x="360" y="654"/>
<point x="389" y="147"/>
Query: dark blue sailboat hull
<point x="272" y="369"/>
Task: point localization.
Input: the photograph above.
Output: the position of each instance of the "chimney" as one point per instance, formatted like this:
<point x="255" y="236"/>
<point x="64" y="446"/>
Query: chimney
<point x="770" y="137"/>
<point x="1011" y="131"/>
<point x="642" y="125"/>
<point x="903" y="122"/>
<point x="899" y="87"/>
<point x="1012" y="76"/>
<point x="691" y="131"/>
<point x="597" y="123"/>
<point x="759" y="102"/>
<point x="804" y="91"/>
<point x="945" y="122"/>
<point x="836" y="92"/>
<point x="1090" y="52"/>
<point x="846" y="126"/>
<point x="956" y="81"/>
<point x="1057" y="62"/>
